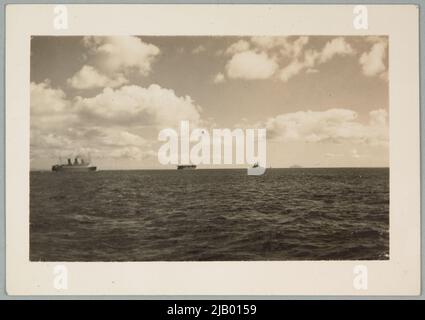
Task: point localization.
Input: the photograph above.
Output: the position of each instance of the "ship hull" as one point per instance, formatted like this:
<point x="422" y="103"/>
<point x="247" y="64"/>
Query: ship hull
<point x="60" y="168"/>
<point x="186" y="167"/>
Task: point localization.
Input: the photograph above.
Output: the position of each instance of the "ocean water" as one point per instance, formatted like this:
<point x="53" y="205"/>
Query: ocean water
<point x="210" y="215"/>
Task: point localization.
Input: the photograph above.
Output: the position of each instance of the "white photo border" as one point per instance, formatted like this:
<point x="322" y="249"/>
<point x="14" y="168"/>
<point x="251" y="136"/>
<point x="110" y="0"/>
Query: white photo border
<point x="398" y="276"/>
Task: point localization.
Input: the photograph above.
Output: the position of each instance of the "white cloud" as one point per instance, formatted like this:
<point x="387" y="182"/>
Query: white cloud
<point x="287" y="46"/>
<point x="240" y="46"/>
<point x="260" y="62"/>
<point x="109" y="125"/>
<point x="88" y="78"/>
<point x="332" y="126"/>
<point x="266" y="42"/>
<point x="373" y="62"/>
<point x="145" y="106"/>
<point x="261" y="57"/>
<point x="337" y="46"/>
<point x="297" y="65"/>
<point x="49" y="140"/>
<point x="219" y="78"/>
<point x="312" y="58"/>
<point x="291" y="70"/>
<point x="251" y="65"/>
<point x="50" y="109"/>
<point x="122" y="53"/>
<point x="295" y="48"/>
<point x="46" y="100"/>
<point x="111" y="59"/>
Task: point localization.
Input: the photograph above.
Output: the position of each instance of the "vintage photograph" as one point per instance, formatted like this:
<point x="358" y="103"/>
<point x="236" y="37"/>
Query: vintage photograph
<point x="141" y="148"/>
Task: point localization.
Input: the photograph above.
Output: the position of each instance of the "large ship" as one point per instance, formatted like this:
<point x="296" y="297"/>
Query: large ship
<point x="79" y="165"/>
<point x="186" y="166"/>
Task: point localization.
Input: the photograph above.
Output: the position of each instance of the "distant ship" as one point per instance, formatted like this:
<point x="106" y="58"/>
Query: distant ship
<point x="256" y="165"/>
<point x="186" y="167"/>
<point x="295" y="166"/>
<point x="79" y="165"/>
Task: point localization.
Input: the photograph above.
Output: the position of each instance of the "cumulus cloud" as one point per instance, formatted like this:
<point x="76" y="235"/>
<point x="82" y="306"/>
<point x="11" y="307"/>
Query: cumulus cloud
<point x="291" y="70"/>
<point x="121" y="53"/>
<point x="88" y="78"/>
<point x="111" y="59"/>
<point x="332" y="126"/>
<point x="294" y="48"/>
<point x="373" y="61"/>
<point x="259" y="59"/>
<point x="47" y="100"/>
<point x="51" y="115"/>
<point x="337" y="46"/>
<point x="50" y="110"/>
<point x="153" y="105"/>
<point x="297" y="65"/>
<point x="251" y="65"/>
<point x="265" y="42"/>
<point x="312" y="58"/>
<point x="49" y="140"/>
<point x="286" y="46"/>
<point x="219" y="78"/>
<point x="239" y="46"/>
<point x="109" y="124"/>
<point x="284" y="57"/>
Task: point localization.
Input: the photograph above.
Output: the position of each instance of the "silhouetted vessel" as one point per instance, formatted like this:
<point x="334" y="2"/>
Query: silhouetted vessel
<point x="257" y="166"/>
<point x="186" y="166"/>
<point x="79" y="165"/>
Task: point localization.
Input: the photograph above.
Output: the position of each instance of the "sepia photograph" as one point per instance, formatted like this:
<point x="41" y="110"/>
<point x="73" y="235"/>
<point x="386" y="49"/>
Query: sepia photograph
<point x="212" y="150"/>
<point x="209" y="148"/>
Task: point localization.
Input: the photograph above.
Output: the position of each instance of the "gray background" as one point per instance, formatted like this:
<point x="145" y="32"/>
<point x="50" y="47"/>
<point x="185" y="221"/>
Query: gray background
<point x="3" y="294"/>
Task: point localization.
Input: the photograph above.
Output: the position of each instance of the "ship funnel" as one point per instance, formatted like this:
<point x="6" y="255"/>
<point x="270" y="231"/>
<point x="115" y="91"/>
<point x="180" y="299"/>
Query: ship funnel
<point x="69" y="161"/>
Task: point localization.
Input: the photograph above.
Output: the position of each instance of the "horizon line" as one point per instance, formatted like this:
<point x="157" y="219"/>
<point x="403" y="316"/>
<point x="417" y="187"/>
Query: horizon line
<point x="267" y="168"/>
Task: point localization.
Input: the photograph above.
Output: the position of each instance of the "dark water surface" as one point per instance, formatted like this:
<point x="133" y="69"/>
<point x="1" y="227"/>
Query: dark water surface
<point x="167" y="215"/>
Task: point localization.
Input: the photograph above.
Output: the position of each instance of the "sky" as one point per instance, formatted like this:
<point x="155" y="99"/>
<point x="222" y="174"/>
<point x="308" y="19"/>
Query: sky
<point x="322" y="99"/>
